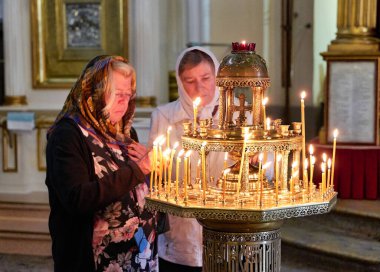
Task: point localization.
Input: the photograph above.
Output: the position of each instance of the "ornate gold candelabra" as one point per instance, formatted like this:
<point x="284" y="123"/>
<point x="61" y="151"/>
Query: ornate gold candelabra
<point x="243" y="208"/>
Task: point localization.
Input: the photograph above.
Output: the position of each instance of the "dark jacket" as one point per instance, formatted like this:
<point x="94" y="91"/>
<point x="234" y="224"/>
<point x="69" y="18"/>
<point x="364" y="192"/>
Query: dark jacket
<point x="76" y="194"/>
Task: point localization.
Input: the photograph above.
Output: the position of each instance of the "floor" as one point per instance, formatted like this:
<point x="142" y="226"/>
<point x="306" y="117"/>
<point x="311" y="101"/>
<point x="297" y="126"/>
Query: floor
<point x="21" y="263"/>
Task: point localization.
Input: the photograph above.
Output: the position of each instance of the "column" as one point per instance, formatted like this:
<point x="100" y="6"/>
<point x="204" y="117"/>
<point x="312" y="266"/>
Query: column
<point x="148" y="51"/>
<point x="16" y="16"/>
<point x="356" y="23"/>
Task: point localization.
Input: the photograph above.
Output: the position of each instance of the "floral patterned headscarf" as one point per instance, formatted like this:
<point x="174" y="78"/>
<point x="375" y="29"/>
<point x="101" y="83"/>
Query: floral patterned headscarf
<point x="85" y="103"/>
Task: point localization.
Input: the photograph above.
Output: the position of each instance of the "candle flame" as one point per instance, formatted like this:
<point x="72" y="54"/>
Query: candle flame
<point x="243" y="42"/>
<point x="162" y="140"/>
<point x="311" y="149"/>
<point x="157" y="140"/>
<point x="196" y="102"/>
<point x="265" y="101"/>
<point x="305" y="164"/>
<point x="261" y="156"/>
<point x="188" y="153"/>
<point x="323" y="166"/>
<point x="225" y="172"/>
<point x="180" y="153"/>
<point x="335" y="133"/>
<point x="166" y="152"/>
<point x="303" y="95"/>
<point x="176" y="144"/>
<point x="329" y="163"/>
<point x="294" y="164"/>
<point x="324" y="157"/>
<point x="279" y="157"/>
<point x="225" y="155"/>
<point x="204" y="144"/>
<point x="169" y="128"/>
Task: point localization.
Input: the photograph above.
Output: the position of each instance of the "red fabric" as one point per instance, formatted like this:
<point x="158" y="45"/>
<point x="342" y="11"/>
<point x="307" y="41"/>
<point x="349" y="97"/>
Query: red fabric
<point x="356" y="174"/>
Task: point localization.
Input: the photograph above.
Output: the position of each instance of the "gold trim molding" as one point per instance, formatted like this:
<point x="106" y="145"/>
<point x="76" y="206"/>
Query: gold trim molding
<point x="15" y="100"/>
<point x="146" y="101"/>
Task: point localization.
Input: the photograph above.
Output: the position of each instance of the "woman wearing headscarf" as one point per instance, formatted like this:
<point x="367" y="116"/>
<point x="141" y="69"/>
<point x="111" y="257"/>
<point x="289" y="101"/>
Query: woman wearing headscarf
<point x="180" y="248"/>
<point x="96" y="176"/>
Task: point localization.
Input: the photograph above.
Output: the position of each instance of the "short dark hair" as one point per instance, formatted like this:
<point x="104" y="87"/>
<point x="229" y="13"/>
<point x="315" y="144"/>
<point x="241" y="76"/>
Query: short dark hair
<point x="193" y="58"/>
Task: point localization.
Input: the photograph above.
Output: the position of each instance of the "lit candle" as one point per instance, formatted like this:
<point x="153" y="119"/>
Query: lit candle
<point x="185" y="168"/>
<point x="328" y="173"/>
<point x="265" y="101"/>
<point x="196" y="103"/>
<point x="303" y="95"/>
<point x="168" y="137"/>
<point x="180" y="153"/>
<point x="176" y="144"/>
<point x="312" y="162"/>
<point x="263" y="167"/>
<point x="198" y="169"/>
<point x="333" y="158"/>
<point x="161" y="162"/>
<point x="166" y="159"/>
<point x="225" y="160"/>
<point x="268" y="123"/>
<point x="156" y="141"/>
<point x="225" y="172"/>
<point x="243" y="45"/>
<point x="305" y="176"/>
<point x="323" y="166"/>
<point x="246" y="137"/>
<point x="324" y="159"/>
<point x="311" y="152"/>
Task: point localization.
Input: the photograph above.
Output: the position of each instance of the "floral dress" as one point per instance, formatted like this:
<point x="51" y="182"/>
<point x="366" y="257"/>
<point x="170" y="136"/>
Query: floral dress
<point x="124" y="237"/>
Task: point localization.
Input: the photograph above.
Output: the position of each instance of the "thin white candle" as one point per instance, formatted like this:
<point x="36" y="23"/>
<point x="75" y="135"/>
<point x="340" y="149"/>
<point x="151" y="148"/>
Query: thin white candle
<point x="225" y="160"/>
<point x="323" y="169"/>
<point x="328" y="173"/>
<point x="312" y="162"/>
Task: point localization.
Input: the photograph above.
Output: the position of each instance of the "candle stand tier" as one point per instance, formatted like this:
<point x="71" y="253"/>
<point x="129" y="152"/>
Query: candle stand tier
<point x="242" y="209"/>
<point x="241" y="239"/>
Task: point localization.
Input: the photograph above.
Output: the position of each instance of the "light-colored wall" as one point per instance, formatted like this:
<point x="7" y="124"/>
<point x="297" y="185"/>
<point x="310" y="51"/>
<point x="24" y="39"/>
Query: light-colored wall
<point x="325" y="21"/>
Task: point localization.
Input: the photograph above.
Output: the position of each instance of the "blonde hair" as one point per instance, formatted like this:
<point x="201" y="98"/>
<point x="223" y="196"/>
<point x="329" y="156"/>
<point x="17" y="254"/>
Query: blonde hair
<point x="127" y="71"/>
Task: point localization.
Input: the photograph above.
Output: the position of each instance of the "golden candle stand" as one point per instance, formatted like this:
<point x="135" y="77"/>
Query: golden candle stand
<point x="243" y="210"/>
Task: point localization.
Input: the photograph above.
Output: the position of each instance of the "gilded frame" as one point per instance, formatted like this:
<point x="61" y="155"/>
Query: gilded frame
<point x="57" y="57"/>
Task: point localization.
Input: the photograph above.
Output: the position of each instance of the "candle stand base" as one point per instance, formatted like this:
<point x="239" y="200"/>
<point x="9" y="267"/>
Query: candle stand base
<point x="241" y="246"/>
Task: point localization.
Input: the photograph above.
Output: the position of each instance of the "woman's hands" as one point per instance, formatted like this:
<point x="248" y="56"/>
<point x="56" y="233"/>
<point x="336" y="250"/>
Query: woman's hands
<point x="140" y="155"/>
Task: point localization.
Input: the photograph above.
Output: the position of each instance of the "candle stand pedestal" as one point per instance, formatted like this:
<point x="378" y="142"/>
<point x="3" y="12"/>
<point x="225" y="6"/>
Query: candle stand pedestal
<point x="241" y="239"/>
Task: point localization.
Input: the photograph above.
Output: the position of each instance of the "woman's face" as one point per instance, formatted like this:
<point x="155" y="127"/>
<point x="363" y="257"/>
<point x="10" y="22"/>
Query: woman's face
<point x="122" y="88"/>
<point x="199" y="81"/>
